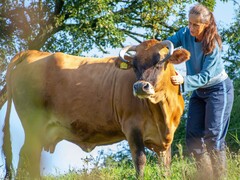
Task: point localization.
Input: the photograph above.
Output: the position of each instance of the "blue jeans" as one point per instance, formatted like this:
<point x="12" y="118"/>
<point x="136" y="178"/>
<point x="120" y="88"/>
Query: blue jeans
<point x="208" y="117"/>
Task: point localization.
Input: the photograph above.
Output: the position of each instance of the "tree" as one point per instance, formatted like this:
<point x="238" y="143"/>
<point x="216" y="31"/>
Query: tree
<point x="231" y="38"/>
<point x="77" y="26"/>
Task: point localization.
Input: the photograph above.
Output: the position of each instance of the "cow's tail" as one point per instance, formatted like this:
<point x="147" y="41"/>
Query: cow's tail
<point x="7" y="147"/>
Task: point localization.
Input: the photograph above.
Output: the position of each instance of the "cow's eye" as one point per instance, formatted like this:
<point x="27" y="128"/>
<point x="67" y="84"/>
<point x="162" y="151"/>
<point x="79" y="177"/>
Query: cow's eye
<point x="158" y="66"/>
<point x="137" y="72"/>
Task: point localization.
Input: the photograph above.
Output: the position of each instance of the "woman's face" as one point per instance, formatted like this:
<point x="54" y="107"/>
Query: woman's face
<point x="196" y="26"/>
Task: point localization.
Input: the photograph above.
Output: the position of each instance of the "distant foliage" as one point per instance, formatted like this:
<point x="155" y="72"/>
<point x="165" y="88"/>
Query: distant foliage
<point x="209" y="3"/>
<point x="231" y="39"/>
<point x="78" y="26"/>
<point x="233" y="136"/>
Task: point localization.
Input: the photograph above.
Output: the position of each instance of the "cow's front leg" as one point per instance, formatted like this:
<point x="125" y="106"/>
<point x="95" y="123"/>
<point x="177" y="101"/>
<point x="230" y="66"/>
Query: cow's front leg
<point x="135" y="141"/>
<point x="164" y="160"/>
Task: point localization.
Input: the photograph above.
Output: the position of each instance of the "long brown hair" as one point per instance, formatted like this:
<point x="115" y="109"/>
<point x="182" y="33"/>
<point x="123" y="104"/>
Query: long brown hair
<point x="210" y="33"/>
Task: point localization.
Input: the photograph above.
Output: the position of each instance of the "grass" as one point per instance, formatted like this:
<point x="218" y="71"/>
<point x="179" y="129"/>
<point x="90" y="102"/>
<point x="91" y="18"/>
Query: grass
<point x="181" y="168"/>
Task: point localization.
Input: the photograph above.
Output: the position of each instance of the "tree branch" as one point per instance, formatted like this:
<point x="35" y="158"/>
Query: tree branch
<point x="58" y="7"/>
<point x="43" y="36"/>
<point x="3" y="96"/>
<point x="133" y="33"/>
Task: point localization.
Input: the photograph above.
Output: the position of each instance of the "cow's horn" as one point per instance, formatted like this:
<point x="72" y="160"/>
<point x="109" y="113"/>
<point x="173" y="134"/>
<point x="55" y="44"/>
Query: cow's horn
<point x="124" y="50"/>
<point x="170" y="47"/>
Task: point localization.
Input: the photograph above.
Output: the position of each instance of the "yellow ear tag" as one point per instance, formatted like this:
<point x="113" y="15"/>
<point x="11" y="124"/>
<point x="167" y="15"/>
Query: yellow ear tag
<point x="123" y="65"/>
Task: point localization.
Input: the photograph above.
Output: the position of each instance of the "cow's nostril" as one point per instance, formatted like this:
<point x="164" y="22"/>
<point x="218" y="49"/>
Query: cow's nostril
<point x="146" y="86"/>
<point x="135" y="87"/>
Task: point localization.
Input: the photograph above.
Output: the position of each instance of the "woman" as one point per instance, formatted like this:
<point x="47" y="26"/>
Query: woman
<point x="212" y="98"/>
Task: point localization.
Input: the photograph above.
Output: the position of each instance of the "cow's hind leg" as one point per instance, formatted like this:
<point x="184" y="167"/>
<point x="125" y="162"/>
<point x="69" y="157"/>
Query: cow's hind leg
<point x="137" y="150"/>
<point x="30" y="154"/>
<point x="32" y="119"/>
<point x="29" y="158"/>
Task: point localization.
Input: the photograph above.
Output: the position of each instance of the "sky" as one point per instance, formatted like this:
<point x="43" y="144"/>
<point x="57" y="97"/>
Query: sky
<point x="68" y="156"/>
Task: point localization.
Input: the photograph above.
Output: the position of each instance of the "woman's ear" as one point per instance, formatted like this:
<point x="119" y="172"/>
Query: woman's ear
<point x="179" y="56"/>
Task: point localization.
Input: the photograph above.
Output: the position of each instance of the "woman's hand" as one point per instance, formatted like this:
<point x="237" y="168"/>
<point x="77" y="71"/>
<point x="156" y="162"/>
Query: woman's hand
<point x="177" y="80"/>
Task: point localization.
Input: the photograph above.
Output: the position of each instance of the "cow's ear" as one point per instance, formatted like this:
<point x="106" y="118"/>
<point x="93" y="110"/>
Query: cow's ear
<point x="179" y="56"/>
<point x="124" y="65"/>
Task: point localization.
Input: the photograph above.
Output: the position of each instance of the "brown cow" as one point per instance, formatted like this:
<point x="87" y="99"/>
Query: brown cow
<point x="91" y="102"/>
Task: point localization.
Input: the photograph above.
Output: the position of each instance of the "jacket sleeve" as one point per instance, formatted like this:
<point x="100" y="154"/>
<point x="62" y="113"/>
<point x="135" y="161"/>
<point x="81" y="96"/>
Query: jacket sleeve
<point x="209" y="70"/>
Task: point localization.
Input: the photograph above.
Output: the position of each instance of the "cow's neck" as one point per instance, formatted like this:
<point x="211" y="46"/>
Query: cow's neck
<point x="170" y="101"/>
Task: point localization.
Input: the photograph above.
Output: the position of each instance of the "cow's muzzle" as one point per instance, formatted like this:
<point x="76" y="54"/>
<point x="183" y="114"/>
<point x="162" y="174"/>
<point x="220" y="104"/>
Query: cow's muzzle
<point x="143" y="89"/>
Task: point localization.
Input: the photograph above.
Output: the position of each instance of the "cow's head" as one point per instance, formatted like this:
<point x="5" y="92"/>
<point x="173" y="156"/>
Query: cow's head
<point x="150" y="61"/>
